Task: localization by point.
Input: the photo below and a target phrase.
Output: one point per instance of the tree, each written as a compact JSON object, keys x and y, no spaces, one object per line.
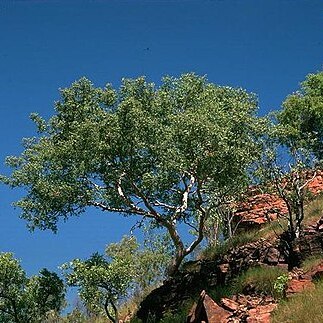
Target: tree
{"x":292,"y":152}
{"x":101,"y":282}
{"x":302,"y":117}
{"x":149,"y":261}
{"x":299,"y":130}
{"x":24,"y":300}
{"x":166,"y":154}
{"x":126,"y":269}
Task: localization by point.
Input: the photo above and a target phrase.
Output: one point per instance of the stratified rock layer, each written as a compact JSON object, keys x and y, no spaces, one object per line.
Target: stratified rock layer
{"x":260,"y":208}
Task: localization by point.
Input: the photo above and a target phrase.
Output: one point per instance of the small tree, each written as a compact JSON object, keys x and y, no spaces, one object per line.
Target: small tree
{"x":103,"y":281}
{"x":24,"y":300}
{"x":149,"y":262}
{"x":166,"y":154}
{"x":299,"y":129}
{"x":302,"y":117}
{"x":292,"y":152}
{"x":289,"y":177}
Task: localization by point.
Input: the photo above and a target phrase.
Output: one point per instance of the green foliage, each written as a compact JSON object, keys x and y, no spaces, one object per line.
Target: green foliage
{"x":280,"y":284}
{"x":25,"y":299}
{"x":101,"y":283}
{"x":126,"y":270}
{"x":149,"y":262}
{"x":302,"y":116}
{"x":261,"y":279}
{"x":169,"y":154}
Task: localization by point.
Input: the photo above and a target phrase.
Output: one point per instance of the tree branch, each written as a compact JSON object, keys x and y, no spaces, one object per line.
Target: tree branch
{"x":202,"y":218}
{"x":105,"y":207}
{"x":181,"y":209}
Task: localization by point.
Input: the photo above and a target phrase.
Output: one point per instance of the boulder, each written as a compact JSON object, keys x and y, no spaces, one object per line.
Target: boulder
{"x":260,"y":314}
{"x":207,"y":310}
{"x":297,"y":286}
{"x":229,"y":304}
{"x":316,"y":272}
{"x":272,"y":256}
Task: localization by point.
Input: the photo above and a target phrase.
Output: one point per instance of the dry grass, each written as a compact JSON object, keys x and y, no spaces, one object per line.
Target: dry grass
{"x":262,"y":279}
{"x":314,"y":210}
{"x":301,"y":308}
{"x":310,"y":262}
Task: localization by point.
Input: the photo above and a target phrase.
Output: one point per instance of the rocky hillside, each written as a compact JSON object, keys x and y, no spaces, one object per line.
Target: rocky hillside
{"x":260,"y":208}
{"x":202,"y":291}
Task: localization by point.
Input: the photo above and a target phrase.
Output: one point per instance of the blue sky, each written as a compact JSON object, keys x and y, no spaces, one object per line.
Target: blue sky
{"x":266,"y":47}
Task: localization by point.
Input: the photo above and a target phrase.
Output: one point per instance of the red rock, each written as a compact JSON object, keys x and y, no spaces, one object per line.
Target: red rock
{"x":261,"y":314}
{"x":316,"y":271}
{"x":215,"y":313}
{"x":207,"y":310}
{"x":261,"y":208}
{"x":229,"y":304}
{"x":296,"y":286}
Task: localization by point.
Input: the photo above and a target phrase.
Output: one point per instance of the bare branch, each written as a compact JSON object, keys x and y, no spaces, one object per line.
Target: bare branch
{"x":308,"y":181}
{"x":104,"y":207}
{"x":181,"y":209}
{"x":164,"y":205}
{"x":201,"y":222}
{"x":190,"y":225}
{"x":132,"y":206}
{"x":145,"y":200}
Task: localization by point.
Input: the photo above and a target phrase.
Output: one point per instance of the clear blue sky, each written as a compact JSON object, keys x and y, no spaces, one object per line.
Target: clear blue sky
{"x":264,"y":46}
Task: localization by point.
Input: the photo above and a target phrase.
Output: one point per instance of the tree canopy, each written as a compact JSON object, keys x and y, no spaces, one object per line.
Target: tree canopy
{"x":27,"y":300}
{"x":126,"y":269}
{"x":301,"y":117}
{"x":170,"y":154}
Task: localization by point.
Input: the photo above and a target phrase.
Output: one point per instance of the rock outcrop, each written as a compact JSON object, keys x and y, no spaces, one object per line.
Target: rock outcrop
{"x":250,"y":308}
{"x":260,"y":208}
{"x":207,"y":274}
{"x":239,"y":308}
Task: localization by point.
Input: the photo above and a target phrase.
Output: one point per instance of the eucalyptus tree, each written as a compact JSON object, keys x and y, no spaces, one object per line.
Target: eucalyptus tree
{"x":101,"y":283}
{"x":27,"y":300}
{"x":126,"y":269}
{"x":302,"y":117}
{"x":169,"y":154}
{"x":293,"y":151}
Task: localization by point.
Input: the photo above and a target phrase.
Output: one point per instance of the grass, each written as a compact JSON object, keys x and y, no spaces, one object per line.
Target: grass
{"x":303,"y":307}
{"x":313,"y":211}
{"x":270,"y":230}
{"x":213,"y":251}
{"x":261,"y":279}
{"x":220,"y":291}
{"x":310,"y":262}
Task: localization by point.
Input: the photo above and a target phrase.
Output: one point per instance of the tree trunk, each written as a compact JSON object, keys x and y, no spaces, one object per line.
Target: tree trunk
{"x":176,"y":262}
